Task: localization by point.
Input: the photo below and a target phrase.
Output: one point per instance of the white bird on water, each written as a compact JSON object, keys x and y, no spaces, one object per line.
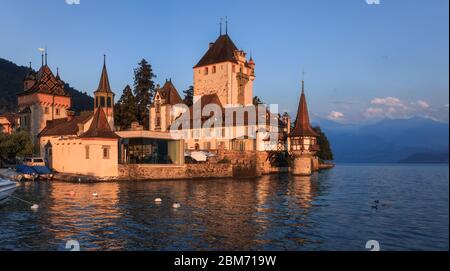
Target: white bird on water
{"x":34,"y":207}
{"x":176,"y":205}
{"x":158,"y":200}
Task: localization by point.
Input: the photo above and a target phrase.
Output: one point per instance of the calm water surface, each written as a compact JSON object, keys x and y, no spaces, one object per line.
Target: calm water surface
{"x":330,"y":211}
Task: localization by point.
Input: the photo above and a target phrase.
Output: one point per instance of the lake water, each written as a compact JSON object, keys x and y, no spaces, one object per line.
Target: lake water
{"x":334,"y":210}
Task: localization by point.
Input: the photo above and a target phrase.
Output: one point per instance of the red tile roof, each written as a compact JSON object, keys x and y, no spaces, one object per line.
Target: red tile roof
{"x":170,"y":94}
{"x":46,"y":83}
{"x":302,"y":124}
{"x":99,"y":127}
{"x":103,"y":85}
{"x":60,"y":127}
{"x":221,"y":50}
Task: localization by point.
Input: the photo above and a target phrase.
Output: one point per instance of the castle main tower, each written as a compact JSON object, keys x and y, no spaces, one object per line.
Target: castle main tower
{"x":225,"y":71}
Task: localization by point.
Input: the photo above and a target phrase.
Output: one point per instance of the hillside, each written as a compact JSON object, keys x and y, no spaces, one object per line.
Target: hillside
{"x":415,"y":140}
{"x":11,"y":83}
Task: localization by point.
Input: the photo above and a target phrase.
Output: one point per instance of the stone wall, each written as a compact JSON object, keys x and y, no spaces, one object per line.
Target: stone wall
{"x":188,"y":171}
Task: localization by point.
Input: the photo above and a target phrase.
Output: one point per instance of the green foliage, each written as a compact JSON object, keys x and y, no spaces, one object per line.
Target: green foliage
{"x":16,"y":144}
{"x":225,"y":160}
{"x":144,"y":91}
{"x":325,"y":152}
{"x":189,"y":96}
{"x":125,"y":110}
{"x":257,"y":100}
{"x":281,"y":159}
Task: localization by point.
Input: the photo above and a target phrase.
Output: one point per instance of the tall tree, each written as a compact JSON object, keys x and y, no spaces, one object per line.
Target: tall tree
{"x":125,"y":110}
{"x":325,"y":152}
{"x":189,"y":96}
{"x":144,"y":91}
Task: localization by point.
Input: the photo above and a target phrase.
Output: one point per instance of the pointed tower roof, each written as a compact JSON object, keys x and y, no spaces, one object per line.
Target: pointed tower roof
{"x":46,"y":83}
{"x":99,"y":127}
{"x":302,"y":124}
{"x":170,"y":94}
{"x":103,"y":85}
{"x":221,"y":50}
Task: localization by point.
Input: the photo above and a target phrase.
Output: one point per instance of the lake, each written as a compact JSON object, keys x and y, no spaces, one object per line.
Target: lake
{"x":403,"y":207}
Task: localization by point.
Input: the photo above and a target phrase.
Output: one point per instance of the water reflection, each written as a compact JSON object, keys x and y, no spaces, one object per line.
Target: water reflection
{"x":270,"y":213}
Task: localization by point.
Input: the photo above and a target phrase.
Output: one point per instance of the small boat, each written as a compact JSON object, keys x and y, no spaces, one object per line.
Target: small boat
{"x":6,"y":189}
{"x":43,"y":172}
{"x":27,"y":172}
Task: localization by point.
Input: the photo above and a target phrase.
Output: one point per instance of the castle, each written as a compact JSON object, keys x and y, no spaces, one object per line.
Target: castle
{"x":88,"y":144}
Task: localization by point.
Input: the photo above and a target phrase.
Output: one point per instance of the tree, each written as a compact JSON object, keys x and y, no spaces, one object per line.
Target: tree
{"x":144,"y":91}
{"x":325,"y":152}
{"x":257,"y":101}
{"x":125,"y":110}
{"x":16,"y":144}
{"x":189,"y":96}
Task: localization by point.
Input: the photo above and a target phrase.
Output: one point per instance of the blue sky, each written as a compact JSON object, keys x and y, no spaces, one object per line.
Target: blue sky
{"x":362,"y":62}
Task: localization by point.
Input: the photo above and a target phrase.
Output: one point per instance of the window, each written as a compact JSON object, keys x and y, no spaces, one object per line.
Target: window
{"x":158,"y":122}
{"x":214,"y":69}
{"x":96,"y":101}
{"x":58,"y":112}
{"x":158,"y":107}
{"x":206,"y":71}
{"x":108,"y":102}
{"x":46,"y":110}
{"x":207,"y":145}
{"x":86,"y":151}
{"x":102,"y":101}
{"x":105,"y":152}
{"x":234,"y":68}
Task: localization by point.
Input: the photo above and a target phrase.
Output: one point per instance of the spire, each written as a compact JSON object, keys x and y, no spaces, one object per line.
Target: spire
{"x":46,"y":56}
{"x":57,"y":73}
{"x":226,"y":25}
{"x":221,"y":19}
{"x":303,"y":82}
{"x":103,"y":85}
{"x":302,"y":124}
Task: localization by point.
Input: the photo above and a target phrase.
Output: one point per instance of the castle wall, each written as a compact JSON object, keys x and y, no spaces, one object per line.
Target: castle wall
{"x":188,"y":171}
{"x":69,"y":155}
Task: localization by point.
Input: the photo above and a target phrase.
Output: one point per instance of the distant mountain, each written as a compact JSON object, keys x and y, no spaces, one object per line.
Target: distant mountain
{"x":426,"y":158}
{"x":389,"y":141}
{"x":11,"y":83}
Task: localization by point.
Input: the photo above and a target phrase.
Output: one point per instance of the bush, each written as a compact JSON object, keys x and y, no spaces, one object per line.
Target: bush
{"x":16,"y":144}
{"x":225,"y":160}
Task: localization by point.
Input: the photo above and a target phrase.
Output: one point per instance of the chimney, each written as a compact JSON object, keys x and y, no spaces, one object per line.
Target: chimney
{"x":211,"y":44}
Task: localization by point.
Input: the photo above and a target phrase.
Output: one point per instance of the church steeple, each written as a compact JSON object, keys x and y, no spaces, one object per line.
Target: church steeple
{"x":104,"y":96}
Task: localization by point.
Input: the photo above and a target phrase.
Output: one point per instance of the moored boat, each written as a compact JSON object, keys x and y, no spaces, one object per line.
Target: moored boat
{"x":7,"y":187}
